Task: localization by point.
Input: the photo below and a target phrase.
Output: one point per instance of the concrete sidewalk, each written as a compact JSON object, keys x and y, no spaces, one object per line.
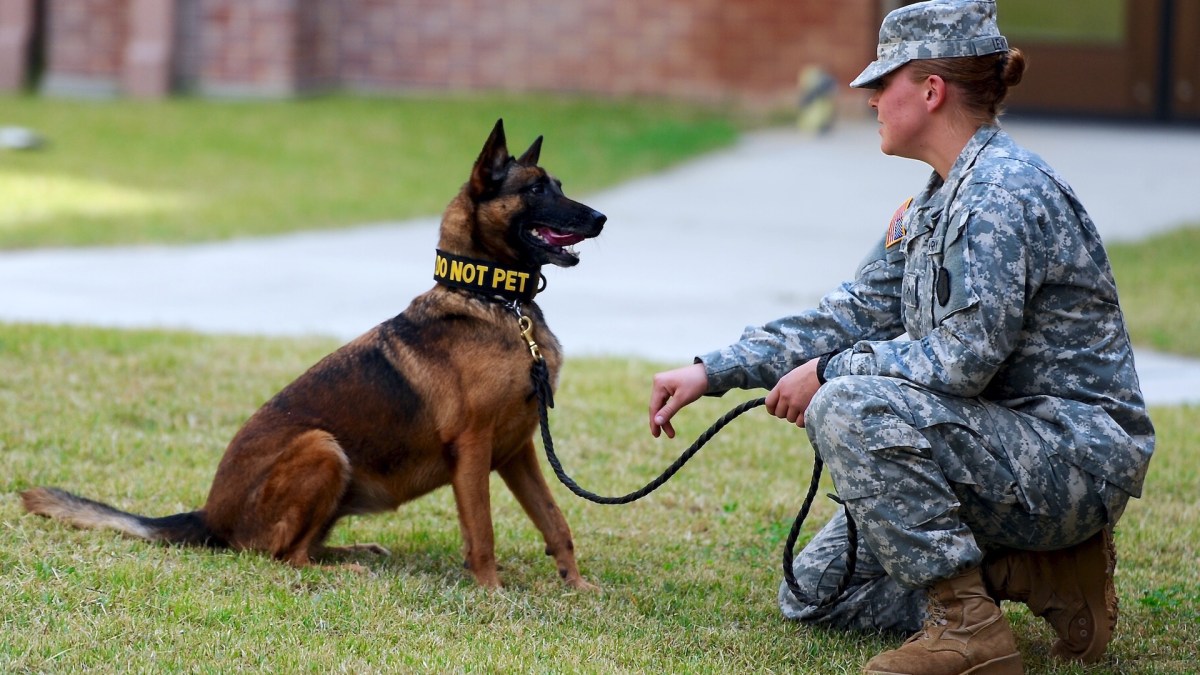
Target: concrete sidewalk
{"x":689,"y":257}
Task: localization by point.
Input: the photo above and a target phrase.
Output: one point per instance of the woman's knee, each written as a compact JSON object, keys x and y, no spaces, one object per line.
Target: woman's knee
{"x":843,"y":401}
{"x":825,"y":404}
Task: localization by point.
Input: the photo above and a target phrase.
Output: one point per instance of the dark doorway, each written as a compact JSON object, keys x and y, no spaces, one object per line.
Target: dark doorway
{"x":1126,"y":59}
{"x":1183,"y":78}
{"x":35,"y":55}
{"x":1109,"y":58}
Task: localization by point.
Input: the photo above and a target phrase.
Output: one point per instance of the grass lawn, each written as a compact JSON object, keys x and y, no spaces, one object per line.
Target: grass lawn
{"x":186,"y":170}
{"x":1160,"y":290}
{"x":689,"y":574}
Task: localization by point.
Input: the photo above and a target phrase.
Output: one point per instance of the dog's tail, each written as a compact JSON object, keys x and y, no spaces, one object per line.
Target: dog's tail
{"x":181,"y":528}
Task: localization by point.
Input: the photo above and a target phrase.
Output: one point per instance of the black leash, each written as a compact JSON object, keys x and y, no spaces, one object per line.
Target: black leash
{"x":541,"y":386}
{"x":540,"y":376}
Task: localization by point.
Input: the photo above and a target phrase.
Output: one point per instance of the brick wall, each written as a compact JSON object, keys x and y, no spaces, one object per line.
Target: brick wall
{"x":17,"y":19}
{"x":249,"y":47}
{"x":85,"y":40}
{"x":744,"y":51}
{"x":711,"y":50}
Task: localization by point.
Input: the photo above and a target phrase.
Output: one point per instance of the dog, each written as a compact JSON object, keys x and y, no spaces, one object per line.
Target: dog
{"x":440,"y":394}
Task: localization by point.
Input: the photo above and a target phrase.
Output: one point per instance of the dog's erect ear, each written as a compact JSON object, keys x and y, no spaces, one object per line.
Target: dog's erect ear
{"x":530,"y":158}
{"x":493,"y":160}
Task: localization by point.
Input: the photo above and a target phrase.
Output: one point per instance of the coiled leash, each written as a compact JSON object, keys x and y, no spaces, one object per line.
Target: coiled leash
{"x":541,"y":387}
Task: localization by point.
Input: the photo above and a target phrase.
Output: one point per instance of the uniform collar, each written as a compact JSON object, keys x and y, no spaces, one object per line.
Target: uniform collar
{"x":939,"y":193}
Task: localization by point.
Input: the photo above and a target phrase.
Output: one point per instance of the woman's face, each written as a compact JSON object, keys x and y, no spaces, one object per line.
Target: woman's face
{"x":900,"y":106}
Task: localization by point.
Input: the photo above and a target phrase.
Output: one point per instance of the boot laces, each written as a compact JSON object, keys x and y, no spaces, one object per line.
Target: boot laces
{"x":936,"y":618}
{"x":937,"y":614}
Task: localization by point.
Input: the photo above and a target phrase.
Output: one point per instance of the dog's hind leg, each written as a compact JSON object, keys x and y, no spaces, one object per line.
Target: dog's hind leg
{"x":470,"y":459}
{"x":299,"y":500}
{"x":525,"y":479}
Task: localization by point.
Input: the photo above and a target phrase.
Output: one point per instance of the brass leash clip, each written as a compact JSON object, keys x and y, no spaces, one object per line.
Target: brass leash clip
{"x":526,"y":325}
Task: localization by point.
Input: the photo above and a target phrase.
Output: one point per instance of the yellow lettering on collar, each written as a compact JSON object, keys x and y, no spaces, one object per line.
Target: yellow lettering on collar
{"x":512,"y":284}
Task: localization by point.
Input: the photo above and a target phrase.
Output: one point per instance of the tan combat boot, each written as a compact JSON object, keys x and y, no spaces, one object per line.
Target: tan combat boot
{"x":965,"y":633}
{"x":1072,"y":589}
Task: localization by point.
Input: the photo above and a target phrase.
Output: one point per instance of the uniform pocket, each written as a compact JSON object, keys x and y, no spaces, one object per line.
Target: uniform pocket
{"x":888,"y":447}
{"x":962,"y":439}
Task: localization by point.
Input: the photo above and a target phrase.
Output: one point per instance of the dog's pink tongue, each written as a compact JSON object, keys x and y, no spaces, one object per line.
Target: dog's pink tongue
{"x":556,"y":238}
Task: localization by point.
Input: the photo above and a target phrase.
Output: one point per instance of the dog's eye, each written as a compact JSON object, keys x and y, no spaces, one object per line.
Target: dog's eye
{"x":537,"y":188}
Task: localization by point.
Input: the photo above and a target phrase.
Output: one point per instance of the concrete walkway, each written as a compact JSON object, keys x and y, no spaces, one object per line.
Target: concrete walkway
{"x":689,"y":257}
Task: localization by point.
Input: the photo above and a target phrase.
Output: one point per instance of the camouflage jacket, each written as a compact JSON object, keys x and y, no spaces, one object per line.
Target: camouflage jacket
{"x":997,"y":285}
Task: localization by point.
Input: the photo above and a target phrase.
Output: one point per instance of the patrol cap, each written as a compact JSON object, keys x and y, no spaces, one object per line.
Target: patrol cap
{"x":933,"y":30}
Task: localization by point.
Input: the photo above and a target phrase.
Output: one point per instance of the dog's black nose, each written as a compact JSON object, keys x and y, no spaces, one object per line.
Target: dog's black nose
{"x":599,"y":218}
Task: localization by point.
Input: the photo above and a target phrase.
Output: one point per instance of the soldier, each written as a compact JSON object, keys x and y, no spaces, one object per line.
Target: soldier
{"x":972,"y":390}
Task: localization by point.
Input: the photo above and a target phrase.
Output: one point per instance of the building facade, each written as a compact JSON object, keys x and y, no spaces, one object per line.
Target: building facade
{"x":1131,"y":58}
{"x":746,"y":52}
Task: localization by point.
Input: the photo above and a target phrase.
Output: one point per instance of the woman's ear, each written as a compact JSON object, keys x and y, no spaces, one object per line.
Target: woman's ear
{"x":936,"y":92}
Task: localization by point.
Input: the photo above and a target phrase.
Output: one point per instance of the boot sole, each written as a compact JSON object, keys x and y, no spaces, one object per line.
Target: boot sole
{"x":1005,"y":665}
{"x":1101,"y":609}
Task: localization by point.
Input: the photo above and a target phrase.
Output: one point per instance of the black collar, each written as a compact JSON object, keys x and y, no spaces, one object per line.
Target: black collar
{"x":487,"y":277}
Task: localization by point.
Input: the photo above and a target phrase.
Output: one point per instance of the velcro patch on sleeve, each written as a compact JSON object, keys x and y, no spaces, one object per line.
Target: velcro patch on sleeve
{"x":895,"y":229}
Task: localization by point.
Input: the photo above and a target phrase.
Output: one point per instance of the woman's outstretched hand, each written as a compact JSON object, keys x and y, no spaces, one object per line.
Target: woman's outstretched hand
{"x":672,"y":390}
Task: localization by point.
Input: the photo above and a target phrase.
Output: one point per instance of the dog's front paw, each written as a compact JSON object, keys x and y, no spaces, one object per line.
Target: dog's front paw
{"x":584,"y":585}
{"x":577,"y":582}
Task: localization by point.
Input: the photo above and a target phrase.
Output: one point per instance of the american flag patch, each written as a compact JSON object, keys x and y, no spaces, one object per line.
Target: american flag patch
{"x":895,"y":230}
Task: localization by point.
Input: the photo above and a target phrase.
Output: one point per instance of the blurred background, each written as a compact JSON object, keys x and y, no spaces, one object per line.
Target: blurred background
{"x":166,"y":122}
{"x":1131,"y":59}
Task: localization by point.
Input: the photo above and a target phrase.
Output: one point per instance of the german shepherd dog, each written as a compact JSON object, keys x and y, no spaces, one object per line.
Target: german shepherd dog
{"x":439,"y":394}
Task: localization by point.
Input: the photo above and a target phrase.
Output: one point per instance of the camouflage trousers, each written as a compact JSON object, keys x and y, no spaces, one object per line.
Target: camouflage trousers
{"x":932,"y":482}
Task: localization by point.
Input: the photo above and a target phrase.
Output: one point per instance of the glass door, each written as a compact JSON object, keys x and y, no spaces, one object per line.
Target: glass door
{"x":1092,"y":57}
{"x":1183,"y":80}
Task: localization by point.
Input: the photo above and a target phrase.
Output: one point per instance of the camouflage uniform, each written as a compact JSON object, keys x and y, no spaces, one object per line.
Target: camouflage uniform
{"x":982,"y":391}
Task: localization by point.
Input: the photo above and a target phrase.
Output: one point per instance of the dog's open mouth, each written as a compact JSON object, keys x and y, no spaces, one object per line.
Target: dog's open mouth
{"x":557,"y":242}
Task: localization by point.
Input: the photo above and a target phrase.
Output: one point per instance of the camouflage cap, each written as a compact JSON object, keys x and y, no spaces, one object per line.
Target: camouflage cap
{"x":934,"y":30}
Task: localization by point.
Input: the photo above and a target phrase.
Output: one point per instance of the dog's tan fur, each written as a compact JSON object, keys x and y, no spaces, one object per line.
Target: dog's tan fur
{"x":440,"y":394}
